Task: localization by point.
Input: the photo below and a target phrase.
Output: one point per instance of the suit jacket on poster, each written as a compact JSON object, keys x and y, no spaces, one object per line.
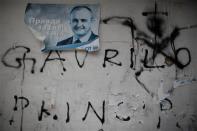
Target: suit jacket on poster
{"x":70,"y":40}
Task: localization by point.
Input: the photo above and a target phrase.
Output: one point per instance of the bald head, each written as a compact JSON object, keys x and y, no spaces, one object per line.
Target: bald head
{"x":81,"y":18}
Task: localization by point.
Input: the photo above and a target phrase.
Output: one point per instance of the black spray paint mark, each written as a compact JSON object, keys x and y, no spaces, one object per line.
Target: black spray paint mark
{"x":155,"y":12}
{"x":102,"y":120}
{"x":145,"y":62}
{"x":23,"y":60}
{"x":125,"y":21}
{"x":22,"y":99}
{"x":42,"y":111}
{"x":165,"y":104}
{"x":108,"y":58}
{"x":100,"y":130}
{"x":174,"y":60}
{"x":173,"y":36}
{"x":137,"y":74}
{"x":81,"y":65}
{"x":128,"y":22}
{"x":55,"y":117}
{"x":16,"y":100}
{"x":177,"y":59}
{"x":120,"y":117}
{"x":158,"y":47}
{"x":144,"y":106}
{"x":61,"y":59}
{"x":154,"y":24}
{"x":22,"y":110}
{"x":159,"y":123}
{"x":11,"y":121}
{"x":51,"y":59}
{"x":68,"y":113}
{"x":23,"y":106}
{"x":131,"y":58}
{"x":19,"y":61}
{"x":120,"y":103}
{"x":178,"y":126}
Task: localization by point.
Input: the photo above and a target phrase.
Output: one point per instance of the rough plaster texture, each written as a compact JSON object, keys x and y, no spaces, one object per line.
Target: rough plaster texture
{"x":116,"y":85}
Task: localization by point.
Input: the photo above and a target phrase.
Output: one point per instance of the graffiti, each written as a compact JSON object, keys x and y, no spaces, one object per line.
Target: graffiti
{"x":16,"y":100}
{"x":137,"y":74}
{"x":22,"y":98}
{"x":55,"y":117}
{"x":131,"y":58}
{"x":19,"y":60}
{"x":68,"y":112}
{"x":102,"y":120}
{"x":108,"y":58}
{"x":144,"y":106}
{"x":128,"y":22}
{"x":120,"y":103}
{"x":100,"y":130}
{"x":155,"y":24}
{"x":133,"y":28}
{"x":160,"y":48}
{"x":158,"y":44}
{"x":11,"y":121}
{"x":146,"y":59}
{"x":122,"y":118}
{"x":23,"y":106}
{"x":110,"y":54}
{"x":178,"y":126}
{"x":159,"y":123}
{"x":43,"y":110}
{"x":81,"y":65}
{"x":51,"y":59}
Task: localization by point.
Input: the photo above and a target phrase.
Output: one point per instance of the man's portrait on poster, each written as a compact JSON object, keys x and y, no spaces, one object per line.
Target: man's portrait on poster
{"x":81,"y":20}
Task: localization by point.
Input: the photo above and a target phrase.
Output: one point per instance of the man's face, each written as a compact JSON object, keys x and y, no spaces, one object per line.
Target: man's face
{"x":81,"y":22}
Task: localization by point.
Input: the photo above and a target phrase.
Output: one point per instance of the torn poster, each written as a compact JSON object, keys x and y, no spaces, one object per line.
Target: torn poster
{"x":64,"y":27}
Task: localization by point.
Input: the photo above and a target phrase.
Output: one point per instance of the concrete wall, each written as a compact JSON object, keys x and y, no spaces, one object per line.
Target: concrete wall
{"x":118,"y":96}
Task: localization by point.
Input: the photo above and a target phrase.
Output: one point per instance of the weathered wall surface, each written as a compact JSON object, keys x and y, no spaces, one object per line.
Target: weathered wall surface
{"x":127,"y":92}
